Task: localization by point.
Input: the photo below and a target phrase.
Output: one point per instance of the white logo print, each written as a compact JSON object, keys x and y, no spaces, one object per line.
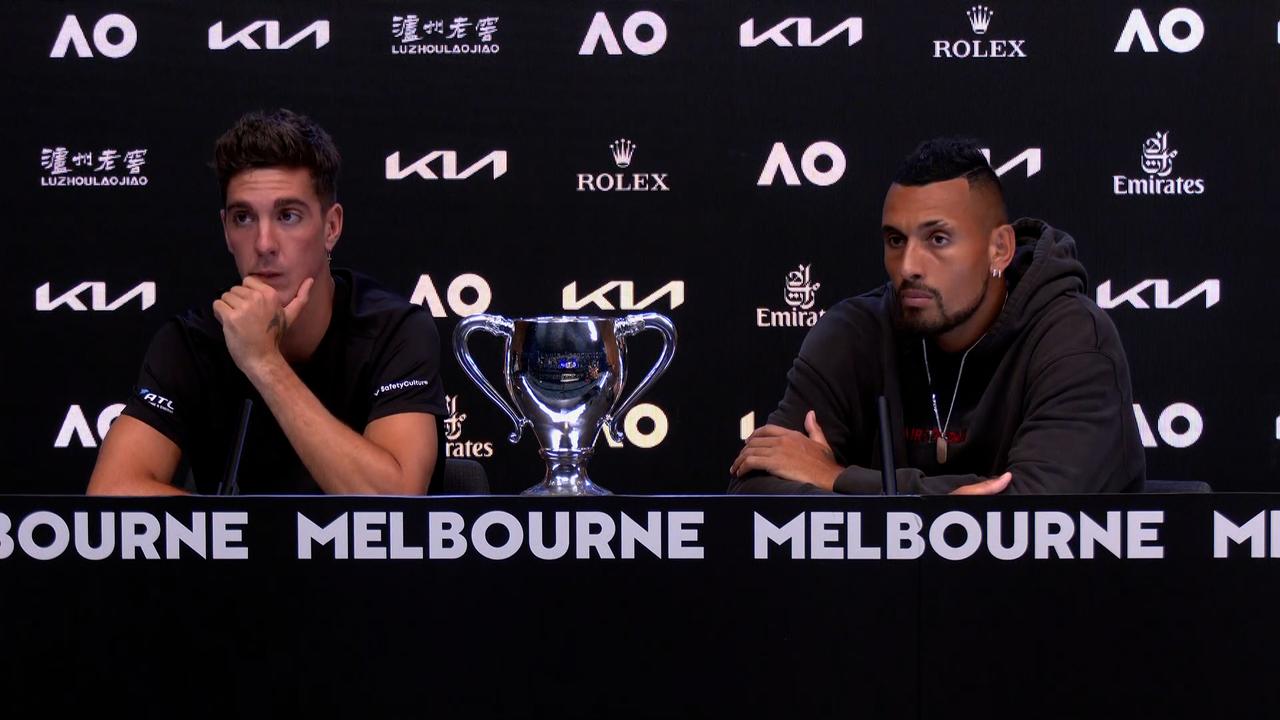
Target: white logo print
{"x":674,"y":291}
{"x":779,"y":161}
{"x":1211,"y":289}
{"x":601,"y":32}
{"x":1157,"y":158}
{"x":1031,"y":157}
{"x":1157,"y":163}
{"x":45,"y":302}
{"x":108,"y":167}
{"x":747,"y":38}
{"x":457,"y":35}
{"x":392,"y":387}
{"x":1164,"y":424}
{"x":1136,"y":28}
{"x":799,"y":292}
{"x":455,"y":446}
{"x":979,"y":18}
{"x":75,"y":425}
{"x":979,"y":21}
{"x":448,"y":167}
{"x":425,"y":293}
{"x":622,"y":151}
{"x":270,"y":36}
{"x":635,"y":434}
{"x":453,"y":423}
{"x":72,"y":35}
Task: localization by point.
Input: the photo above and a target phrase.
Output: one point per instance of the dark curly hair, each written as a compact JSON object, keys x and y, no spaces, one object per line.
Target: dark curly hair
{"x":279,"y":138}
{"x":947,"y":158}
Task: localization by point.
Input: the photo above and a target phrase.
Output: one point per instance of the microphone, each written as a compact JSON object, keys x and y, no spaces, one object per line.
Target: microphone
{"x":889,"y":474}
{"x":229,"y":484}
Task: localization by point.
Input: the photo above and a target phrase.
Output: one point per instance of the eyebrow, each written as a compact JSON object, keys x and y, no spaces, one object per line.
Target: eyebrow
{"x":924,"y":226}
{"x":282,"y":202}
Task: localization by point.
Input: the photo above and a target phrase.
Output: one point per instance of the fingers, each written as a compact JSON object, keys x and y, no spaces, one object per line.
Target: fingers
{"x":771,"y":431}
{"x":299,"y":301}
{"x":991,"y":486}
{"x":220,"y":309}
{"x":815,"y":431}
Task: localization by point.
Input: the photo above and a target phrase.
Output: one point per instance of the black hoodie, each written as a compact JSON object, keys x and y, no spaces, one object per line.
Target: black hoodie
{"x":1045,"y":394}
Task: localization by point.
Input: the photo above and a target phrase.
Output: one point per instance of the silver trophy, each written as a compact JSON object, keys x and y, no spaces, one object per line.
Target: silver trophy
{"x":565,"y":377}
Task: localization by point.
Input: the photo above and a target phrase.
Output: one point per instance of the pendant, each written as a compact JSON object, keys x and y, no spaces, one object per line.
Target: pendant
{"x":941,"y":446}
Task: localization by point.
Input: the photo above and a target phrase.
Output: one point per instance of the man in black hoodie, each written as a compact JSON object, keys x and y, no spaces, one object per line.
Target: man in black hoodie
{"x":1000,"y":373}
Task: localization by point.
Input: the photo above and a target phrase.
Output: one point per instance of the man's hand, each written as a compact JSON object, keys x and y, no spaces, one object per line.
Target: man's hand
{"x":254,"y":322}
{"x":790,"y":455}
{"x":990,"y":486}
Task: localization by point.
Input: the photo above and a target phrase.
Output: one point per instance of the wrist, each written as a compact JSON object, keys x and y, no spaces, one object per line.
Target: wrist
{"x":260,"y":368}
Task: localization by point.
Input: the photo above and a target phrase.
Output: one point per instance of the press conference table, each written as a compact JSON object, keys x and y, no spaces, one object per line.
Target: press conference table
{"x":634,"y":606}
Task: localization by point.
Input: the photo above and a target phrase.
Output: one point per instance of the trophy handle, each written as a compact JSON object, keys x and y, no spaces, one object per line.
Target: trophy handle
{"x":494,"y":325}
{"x":630,"y":325}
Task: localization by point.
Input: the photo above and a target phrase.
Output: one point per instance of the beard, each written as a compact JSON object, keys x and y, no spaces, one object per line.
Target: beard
{"x":913,"y":320}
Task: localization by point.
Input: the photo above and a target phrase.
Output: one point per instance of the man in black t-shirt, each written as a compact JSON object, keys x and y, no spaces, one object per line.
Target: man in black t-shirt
{"x":342,"y":376}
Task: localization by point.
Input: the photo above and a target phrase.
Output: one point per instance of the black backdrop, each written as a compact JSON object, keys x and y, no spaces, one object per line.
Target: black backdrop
{"x":704,"y":112}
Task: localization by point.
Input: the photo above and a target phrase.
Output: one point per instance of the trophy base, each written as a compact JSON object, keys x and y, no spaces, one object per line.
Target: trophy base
{"x":566,"y":476}
{"x":545,"y":489}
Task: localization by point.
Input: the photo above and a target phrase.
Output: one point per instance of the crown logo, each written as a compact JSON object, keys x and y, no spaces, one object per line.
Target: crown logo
{"x":622,"y":150}
{"x":980,"y":18}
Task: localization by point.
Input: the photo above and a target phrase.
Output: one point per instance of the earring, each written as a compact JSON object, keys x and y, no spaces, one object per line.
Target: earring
{"x":328,"y":256}
{"x":995,"y":272}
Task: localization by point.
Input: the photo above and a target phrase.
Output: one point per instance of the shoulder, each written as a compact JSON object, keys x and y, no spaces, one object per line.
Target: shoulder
{"x":854,"y":325}
{"x":1073,"y":324}
{"x":382,"y":322}
{"x":374,"y":311}
{"x":195,"y":332}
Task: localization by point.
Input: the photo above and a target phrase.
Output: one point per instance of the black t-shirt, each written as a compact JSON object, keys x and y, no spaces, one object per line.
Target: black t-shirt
{"x":380,"y":356}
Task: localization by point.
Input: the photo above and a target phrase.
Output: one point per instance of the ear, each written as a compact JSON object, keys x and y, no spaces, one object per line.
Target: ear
{"x":332,"y":226}
{"x":1000,"y":249}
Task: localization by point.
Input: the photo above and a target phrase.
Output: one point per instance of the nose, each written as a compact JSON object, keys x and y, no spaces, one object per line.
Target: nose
{"x":264,"y":242}
{"x":913,"y":260}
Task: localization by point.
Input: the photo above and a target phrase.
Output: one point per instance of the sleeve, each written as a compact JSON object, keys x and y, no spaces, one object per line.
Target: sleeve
{"x":406,"y":375}
{"x":166,"y":396}
{"x":1072,"y":438}
{"x":823,"y":378}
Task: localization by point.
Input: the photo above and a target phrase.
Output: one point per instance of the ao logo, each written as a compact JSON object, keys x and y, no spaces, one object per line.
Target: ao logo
{"x":72,"y":34}
{"x":1171,"y":436}
{"x":75,"y":425}
{"x":779,"y":161}
{"x":468,"y":283}
{"x":601,"y":32}
{"x":1137,"y":28}
{"x":638,"y":436}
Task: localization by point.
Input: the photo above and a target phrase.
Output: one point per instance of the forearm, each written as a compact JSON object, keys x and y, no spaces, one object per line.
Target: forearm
{"x":339,"y":459}
{"x":103,"y":483}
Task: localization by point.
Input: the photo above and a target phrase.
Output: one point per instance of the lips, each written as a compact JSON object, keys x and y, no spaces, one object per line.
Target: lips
{"x":916,"y":298}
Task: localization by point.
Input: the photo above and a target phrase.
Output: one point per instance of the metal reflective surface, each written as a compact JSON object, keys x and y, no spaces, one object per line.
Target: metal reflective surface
{"x":565,"y":377}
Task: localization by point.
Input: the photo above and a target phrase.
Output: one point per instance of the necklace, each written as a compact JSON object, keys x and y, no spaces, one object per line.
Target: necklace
{"x":941,"y":444}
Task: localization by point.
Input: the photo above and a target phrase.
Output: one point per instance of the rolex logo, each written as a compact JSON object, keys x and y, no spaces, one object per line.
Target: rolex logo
{"x":980,"y":18}
{"x":622,"y":150}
